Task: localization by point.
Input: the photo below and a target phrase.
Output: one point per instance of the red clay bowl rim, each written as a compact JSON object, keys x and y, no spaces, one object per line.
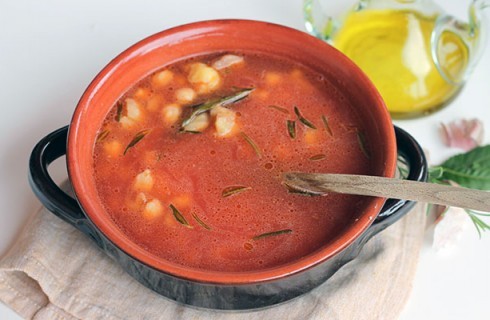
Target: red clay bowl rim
{"x":216,"y":277}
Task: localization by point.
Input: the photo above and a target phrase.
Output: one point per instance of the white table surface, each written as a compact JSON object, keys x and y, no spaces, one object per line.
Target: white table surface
{"x":50,"y":50}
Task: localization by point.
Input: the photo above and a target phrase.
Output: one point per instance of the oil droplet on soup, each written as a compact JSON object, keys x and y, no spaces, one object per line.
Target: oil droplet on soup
{"x":191,"y":169}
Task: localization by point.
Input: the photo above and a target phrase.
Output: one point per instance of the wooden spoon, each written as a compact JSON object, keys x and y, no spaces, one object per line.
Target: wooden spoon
{"x":321,"y":184}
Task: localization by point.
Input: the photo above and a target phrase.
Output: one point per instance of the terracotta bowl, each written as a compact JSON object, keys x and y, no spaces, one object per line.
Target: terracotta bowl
{"x":208,"y":288}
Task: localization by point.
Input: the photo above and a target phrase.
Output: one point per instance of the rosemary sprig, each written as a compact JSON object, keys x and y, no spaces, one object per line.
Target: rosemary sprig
{"x":101,"y":137}
{"x":137,"y":138}
{"x":179,"y":217}
{"x":233,"y":190}
{"x":469,"y":170}
{"x":291,"y":128}
{"x":271,"y":234}
{"x":119,"y":111}
{"x":303,"y":120}
{"x":480,"y":225}
{"x":326,"y":125}
{"x":280,"y":109}
{"x":361,"y":139}
{"x":202,"y":223}
{"x":318,"y":157}
{"x":299,"y":192}
{"x":251,"y":143}
{"x":207,"y":106}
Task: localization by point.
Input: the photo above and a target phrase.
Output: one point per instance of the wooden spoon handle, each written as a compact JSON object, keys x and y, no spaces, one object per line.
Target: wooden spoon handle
{"x":318,"y":183}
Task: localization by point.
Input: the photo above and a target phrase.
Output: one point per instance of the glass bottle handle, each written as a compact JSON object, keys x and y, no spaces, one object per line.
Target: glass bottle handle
{"x":471,"y":35}
{"x":317,"y":22}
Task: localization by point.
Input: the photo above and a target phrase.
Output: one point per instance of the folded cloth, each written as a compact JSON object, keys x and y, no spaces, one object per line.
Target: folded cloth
{"x":55,"y":272}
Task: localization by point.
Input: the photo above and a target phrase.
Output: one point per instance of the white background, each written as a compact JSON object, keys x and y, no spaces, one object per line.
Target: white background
{"x":50,"y":50}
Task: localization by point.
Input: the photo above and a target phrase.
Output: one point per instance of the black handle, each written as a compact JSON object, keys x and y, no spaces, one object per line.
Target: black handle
{"x":394,"y":209}
{"x":52,"y":197}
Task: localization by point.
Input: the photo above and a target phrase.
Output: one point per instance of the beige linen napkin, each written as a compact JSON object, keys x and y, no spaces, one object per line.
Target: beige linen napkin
{"x":55,"y":272}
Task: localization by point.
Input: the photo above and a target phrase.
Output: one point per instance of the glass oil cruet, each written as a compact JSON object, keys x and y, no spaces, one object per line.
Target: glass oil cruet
{"x":417,"y":56}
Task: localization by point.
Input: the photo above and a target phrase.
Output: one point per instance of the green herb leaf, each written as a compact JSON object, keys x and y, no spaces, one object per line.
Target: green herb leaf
{"x":291,"y":128}
{"x":280,"y":109}
{"x":303,"y":120}
{"x":361,"y":139}
{"x":470,"y":170}
{"x":179,"y":217}
{"x":207,"y":106}
{"x":300,"y":192}
{"x":190,"y":131}
{"x":101,"y":137}
{"x":233,"y":190}
{"x":326,"y":125}
{"x":137,"y":138}
{"x":119,"y":111}
{"x":202,"y":223}
{"x":318,"y":157}
{"x":480,"y":225}
{"x":272,"y":234}
{"x":435,"y":174}
{"x":251,"y":143}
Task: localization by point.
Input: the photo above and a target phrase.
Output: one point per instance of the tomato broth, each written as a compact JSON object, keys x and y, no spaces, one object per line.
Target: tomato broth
{"x":188,"y":162}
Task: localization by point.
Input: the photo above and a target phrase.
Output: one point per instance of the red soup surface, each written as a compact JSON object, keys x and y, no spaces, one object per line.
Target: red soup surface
{"x":188,"y":162}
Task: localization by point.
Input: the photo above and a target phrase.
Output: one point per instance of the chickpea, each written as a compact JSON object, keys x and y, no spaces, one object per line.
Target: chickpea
{"x":185,"y":95}
{"x":272,"y":78}
{"x":203,"y":77}
{"x":154,"y":103}
{"x":313,"y":137}
{"x":224,"y":122}
{"x":133,"y":109}
{"x":199,"y":124}
{"x":138,"y":202}
{"x":133,"y":114}
{"x":162,"y":78}
{"x":127,"y":122}
{"x":227,"y":61}
{"x":153,"y":209}
{"x":144,"y":181}
{"x":142,"y":93}
{"x":301,"y":81}
{"x":171,"y":113}
{"x":113,"y":148}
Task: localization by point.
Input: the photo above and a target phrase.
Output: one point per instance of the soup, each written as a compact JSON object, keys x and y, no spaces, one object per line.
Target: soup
{"x":188,"y":162}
